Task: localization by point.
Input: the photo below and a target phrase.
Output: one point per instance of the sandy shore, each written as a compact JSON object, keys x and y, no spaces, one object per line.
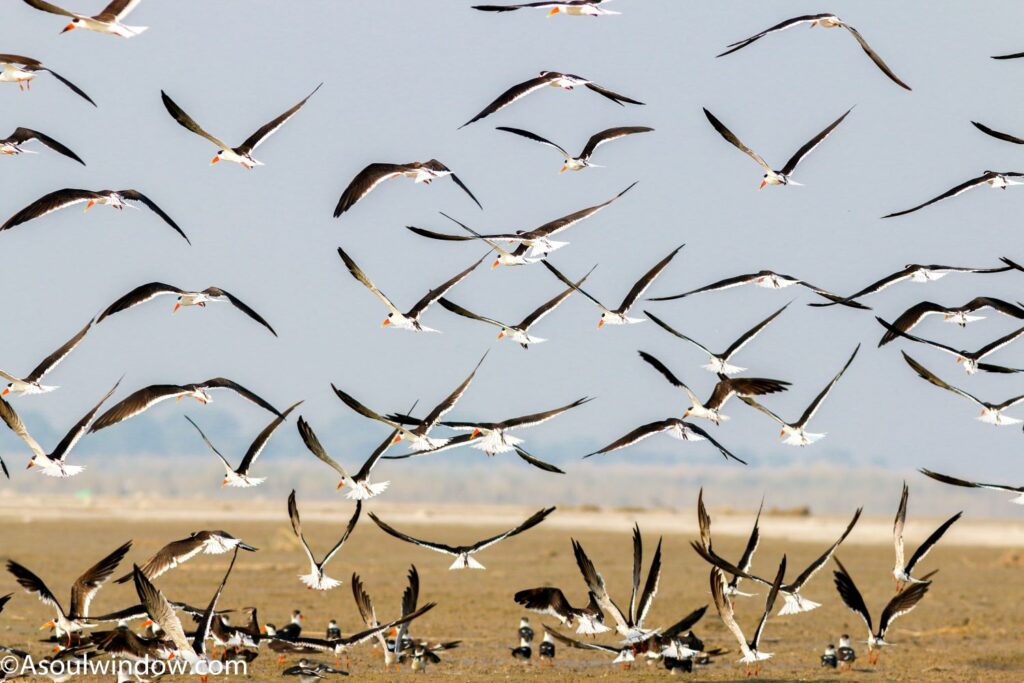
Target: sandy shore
{"x":776,"y":525}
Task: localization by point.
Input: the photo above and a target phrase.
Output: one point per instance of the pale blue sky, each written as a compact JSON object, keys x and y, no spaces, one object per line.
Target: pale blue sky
{"x":399,"y":78}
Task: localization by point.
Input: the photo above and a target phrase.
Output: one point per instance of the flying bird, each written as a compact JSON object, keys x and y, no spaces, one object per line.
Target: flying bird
{"x":411,"y":319}
{"x":751,"y":649}
{"x":396,"y":651}
{"x":629,"y":623}
{"x":519,"y":332}
{"x":60,"y":199}
{"x":571,"y":8}
{"x":147,"y":397}
{"x":418,"y":437}
{"x":718,"y":363}
{"x":795,"y":433}
{"x":553,"y":79}
{"x":549,"y":600}
{"x":359,"y":485}
{"x":999,"y":180}
{"x":373,"y":175}
{"x":970,"y":360}
{"x":624,"y":656}
{"x":900,"y":604}
{"x":184,"y":299}
{"x":782,"y":176}
{"x":12,"y":145}
{"x":674,"y":427}
{"x":913,"y":272}
{"x":176,"y":553}
{"x":903,"y":568}
{"x":765,"y":279}
{"x":316,"y":579}
{"x":242,"y":154}
{"x":957,"y":315}
{"x":991,"y":413}
{"x":824,"y":21}
{"x":31,"y":384}
{"x":953,"y":481}
{"x":496,"y":436}
{"x":731,"y":589}
{"x":795,"y":602}
{"x":83,"y":590}
{"x":54,"y":463}
{"x":110,"y":20}
{"x":582,"y":161}
{"x":1006,"y":137}
{"x":464,"y":553}
{"x":161,"y":612}
{"x":619,"y":316}
{"x":22,"y":70}
{"x":725,"y":389}
{"x":239,"y":477}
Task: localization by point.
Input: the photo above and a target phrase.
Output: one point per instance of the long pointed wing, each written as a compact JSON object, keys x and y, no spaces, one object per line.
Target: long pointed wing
{"x":391,"y":531}
{"x":360,"y":408}
{"x":257,"y":138}
{"x":781,"y":26}
{"x":638,"y":559}
{"x":595,"y":583}
{"x":635,"y":436}
{"x":953,"y":481}
{"x":724,"y":607}
{"x":187,"y":122}
{"x":548,"y":306}
{"x":532,"y":521}
{"x":901,"y":603}
{"x":992,"y":347}
{"x":169,"y":557}
{"x":33,"y":584}
{"x":506,"y":98}
{"x":909,"y":319}
{"x":363,"y":602}
{"x":13,"y":421}
{"x":1006,"y":137}
{"x":899,"y":523}
{"x":51,"y":8}
{"x":667,"y":374}
{"x":466,"y":313}
{"x":136,"y":196}
{"x":359,"y":275}
{"x":120,"y":8}
{"x":755,"y":538}
{"x":71,"y":86}
{"x":668,"y":328}
{"x":650,"y":588}
{"x":240,"y":305}
{"x":25,"y":134}
{"x":439,"y":291}
{"x":313,"y":444}
{"x":139,"y":295}
{"x":731,"y":138}
{"x":754,"y":404}
{"x":749,"y":335}
{"x":537,"y":462}
{"x":703,"y":521}
{"x":926,"y":374}
{"x":260,"y":442}
{"x":136,"y":403}
{"x":565,"y":222}
{"x":293,"y":515}
{"x":644,"y":283}
{"x":348,"y":532}
{"x":222,"y":383}
{"x":442,"y":408}
{"x":930,"y":542}
{"x":727,"y":283}
{"x":78,"y":430}
{"x":612,"y":95}
{"x":161,"y":611}
{"x":579,"y":644}
{"x":84,"y":589}
{"x":811,"y":144}
{"x":203,"y":629}
{"x":536,"y":138}
{"x":51,"y":361}
{"x":813,"y":568}
{"x":952,"y":192}
{"x":364,"y":471}
{"x":364,"y":182}
{"x":813,"y":407}
{"x":209,"y":443}
{"x":769,"y":603}
{"x":557,"y":273}
{"x":896,"y":332}
{"x":875,"y":58}
{"x":598,"y":139}
{"x":539,"y":418}
{"x":47,"y":204}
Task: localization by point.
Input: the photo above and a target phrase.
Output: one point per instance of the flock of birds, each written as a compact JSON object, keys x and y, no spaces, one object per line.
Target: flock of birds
{"x":78,"y":633}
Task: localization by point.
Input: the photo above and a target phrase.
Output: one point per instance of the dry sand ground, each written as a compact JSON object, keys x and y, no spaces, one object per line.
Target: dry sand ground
{"x":968,"y":628}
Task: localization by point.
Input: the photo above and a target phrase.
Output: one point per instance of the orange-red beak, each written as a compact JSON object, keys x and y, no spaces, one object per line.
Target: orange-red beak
{"x":48,"y":624}
{"x":501,"y":335}
{"x":476,"y":433}
{"x":398,"y":437}
{"x":225,"y":482}
{"x":30,"y":464}
{"x":387,"y":321}
{"x":6,"y":391}
{"x":553,"y":12}
{"x":69,"y":27}
{"x":214,"y":160}
{"x":600,"y":323}
{"x":564,"y":169}
{"x":763,"y":183}
{"x":176,"y":307}
{"x":92,"y":203}
{"x":340,"y":484}
{"x":497,"y":262}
